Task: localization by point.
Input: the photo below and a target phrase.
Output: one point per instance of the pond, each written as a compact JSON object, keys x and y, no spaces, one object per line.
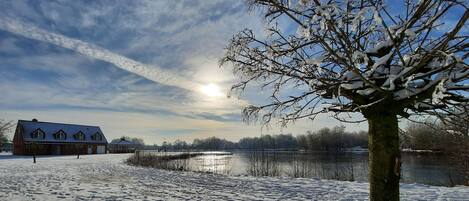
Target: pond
{"x":429,"y":168}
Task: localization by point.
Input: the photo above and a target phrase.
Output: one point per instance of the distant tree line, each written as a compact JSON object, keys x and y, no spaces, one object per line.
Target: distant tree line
{"x":281,"y":141}
{"x":451,"y":139}
{"x":415,"y":137}
{"x":438,"y":137}
{"x":332,"y":139}
{"x":326,"y":139}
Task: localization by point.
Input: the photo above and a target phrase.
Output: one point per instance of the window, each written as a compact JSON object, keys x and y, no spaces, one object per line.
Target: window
{"x":97,"y":136}
{"x":60,"y":135}
{"x":79,"y":136}
{"x":38,"y":134}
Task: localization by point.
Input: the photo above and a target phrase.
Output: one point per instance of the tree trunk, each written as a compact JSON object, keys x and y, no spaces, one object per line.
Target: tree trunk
{"x":384,"y":157}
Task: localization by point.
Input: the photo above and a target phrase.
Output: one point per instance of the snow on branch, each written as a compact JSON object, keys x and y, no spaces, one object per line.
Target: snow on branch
{"x":347,"y":56}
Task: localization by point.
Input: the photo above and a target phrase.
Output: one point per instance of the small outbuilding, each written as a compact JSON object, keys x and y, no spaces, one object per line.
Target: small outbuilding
{"x":123,"y":146}
{"x":48,"y":138}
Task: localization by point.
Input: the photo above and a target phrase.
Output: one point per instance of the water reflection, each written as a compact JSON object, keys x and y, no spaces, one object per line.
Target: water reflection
{"x":219,"y":164}
{"x":426,"y":169}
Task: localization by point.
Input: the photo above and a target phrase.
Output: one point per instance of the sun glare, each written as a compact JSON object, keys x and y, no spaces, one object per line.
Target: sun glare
{"x":211,"y":90}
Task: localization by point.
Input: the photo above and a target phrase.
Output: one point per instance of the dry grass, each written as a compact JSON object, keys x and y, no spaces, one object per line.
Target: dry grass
{"x":179,"y":162}
{"x":263,"y":164}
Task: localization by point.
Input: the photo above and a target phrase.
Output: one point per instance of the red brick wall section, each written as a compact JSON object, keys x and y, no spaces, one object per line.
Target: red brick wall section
{"x":95,"y":149}
{"x":49,"y":149}
{"x":39,"y":149}
{"x":18,"y":144}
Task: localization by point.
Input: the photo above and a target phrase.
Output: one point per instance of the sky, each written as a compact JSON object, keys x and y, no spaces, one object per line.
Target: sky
{"x":146,"y":69}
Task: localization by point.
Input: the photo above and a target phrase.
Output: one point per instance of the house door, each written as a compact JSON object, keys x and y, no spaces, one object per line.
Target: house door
{"x":90,"y":149}
{"x":101,"y":150}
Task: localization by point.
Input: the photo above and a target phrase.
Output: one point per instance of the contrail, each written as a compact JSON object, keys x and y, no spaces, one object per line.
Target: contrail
{"x":154,"y":73}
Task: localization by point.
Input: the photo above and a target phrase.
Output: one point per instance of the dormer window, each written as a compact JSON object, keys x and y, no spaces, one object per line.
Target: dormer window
{"x":38,"y":134}
{"x":60,"y":135}
{"x":97,"y":136}
{"x":79,"y":136}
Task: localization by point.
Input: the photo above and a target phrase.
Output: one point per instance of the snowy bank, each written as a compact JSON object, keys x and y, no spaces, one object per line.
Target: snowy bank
{"x":107,"y":177}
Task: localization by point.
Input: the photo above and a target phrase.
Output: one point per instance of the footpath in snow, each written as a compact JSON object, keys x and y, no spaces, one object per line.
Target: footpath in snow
{"x":107,"y":177}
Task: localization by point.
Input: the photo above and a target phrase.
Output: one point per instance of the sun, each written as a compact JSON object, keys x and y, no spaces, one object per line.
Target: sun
{"x":211,"y":90}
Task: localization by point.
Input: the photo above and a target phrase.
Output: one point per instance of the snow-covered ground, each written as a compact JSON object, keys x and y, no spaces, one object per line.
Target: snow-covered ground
{"x":107,"y":177}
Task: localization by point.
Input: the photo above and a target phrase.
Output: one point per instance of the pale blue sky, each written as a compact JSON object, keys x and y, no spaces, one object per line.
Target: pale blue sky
{"x":184,"y":39}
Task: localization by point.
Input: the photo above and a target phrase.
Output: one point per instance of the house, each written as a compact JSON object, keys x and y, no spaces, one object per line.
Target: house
{"x":47,"y":138}
{"x":123,"y":145}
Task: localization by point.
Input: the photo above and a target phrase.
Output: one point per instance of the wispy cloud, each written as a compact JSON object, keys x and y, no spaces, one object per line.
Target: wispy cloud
{"x":153,"y":73}
{"x":69,"y":61}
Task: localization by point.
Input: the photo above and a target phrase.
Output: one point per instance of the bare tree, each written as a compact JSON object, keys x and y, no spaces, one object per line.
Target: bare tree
{"x":457,"y":145}
{"x":5,"y":127}
{"x":356,"y":56}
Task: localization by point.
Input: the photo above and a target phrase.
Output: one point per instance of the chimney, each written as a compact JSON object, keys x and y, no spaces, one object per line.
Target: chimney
{"x":34,"y":120}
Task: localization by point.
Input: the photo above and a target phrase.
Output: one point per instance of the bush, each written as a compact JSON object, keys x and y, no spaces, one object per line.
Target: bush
{"x":179,"y":162}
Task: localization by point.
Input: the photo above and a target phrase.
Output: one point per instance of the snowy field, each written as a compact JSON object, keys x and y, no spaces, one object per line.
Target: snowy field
{"x":106,"y":177}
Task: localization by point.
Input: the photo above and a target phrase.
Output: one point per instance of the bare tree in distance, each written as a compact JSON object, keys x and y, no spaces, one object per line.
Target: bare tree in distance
{"x":356,"y":56}
{"x":5,"y":127}
{"x":458,"y":148}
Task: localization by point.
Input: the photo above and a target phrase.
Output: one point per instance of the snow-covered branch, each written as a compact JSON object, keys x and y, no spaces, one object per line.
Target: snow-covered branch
{"x":354,"y":54}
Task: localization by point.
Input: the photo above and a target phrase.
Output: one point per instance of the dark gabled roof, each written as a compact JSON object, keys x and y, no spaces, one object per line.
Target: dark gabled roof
{"x":50,"y":128}
{"x":123,"y":142}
